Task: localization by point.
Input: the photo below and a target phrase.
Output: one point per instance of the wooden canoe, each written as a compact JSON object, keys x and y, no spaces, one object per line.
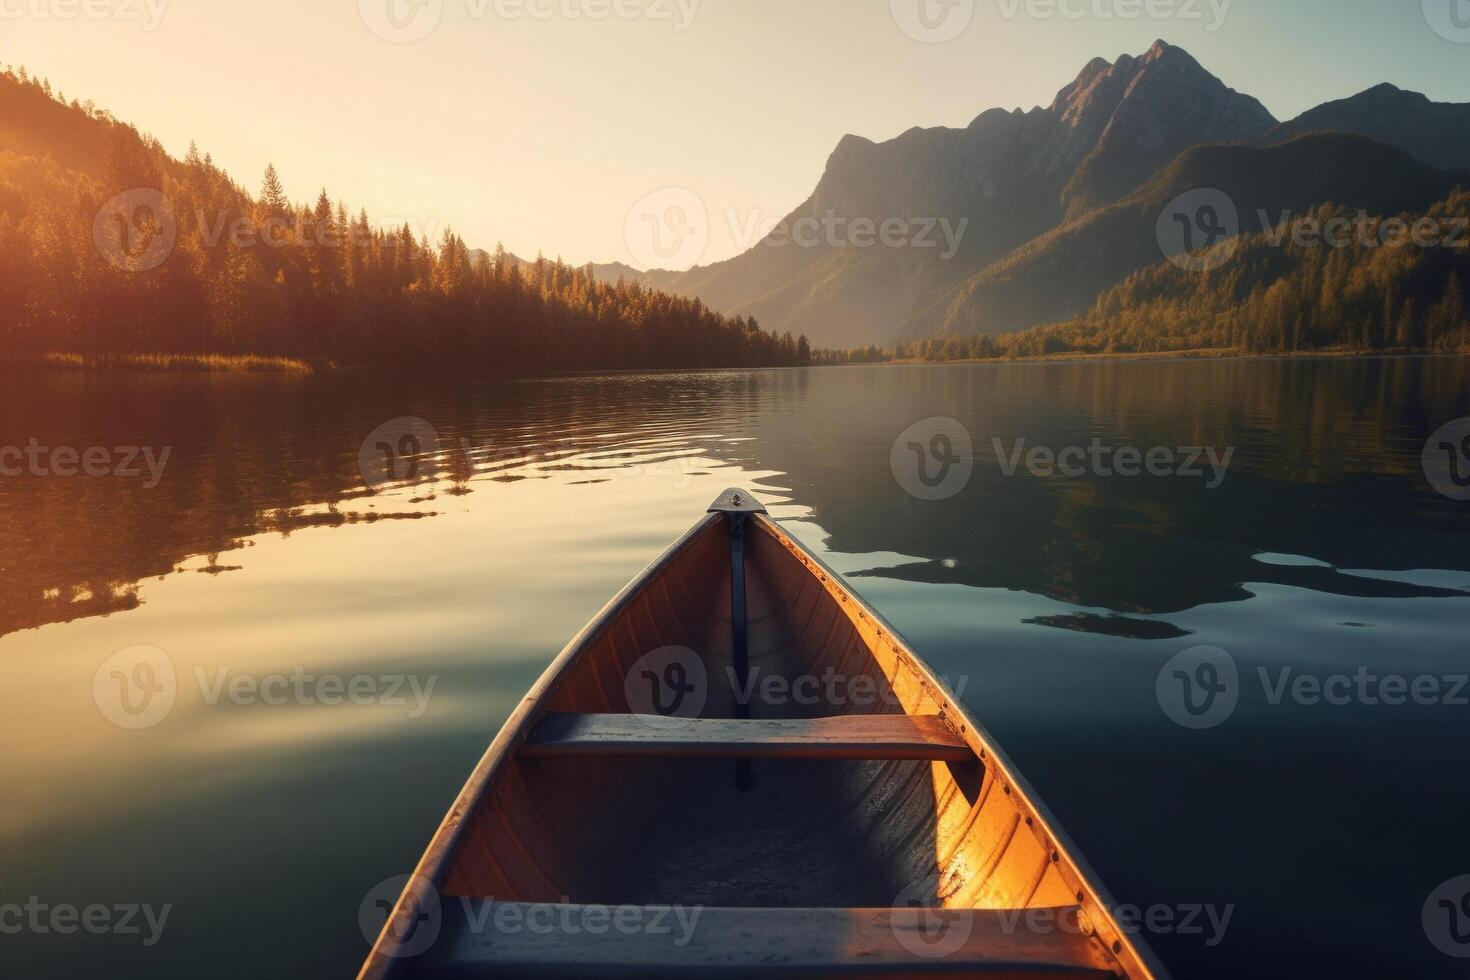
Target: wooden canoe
{"x":739,"y":769}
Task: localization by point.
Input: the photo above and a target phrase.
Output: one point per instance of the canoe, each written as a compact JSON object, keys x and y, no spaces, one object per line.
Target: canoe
{"x":739,"y":769}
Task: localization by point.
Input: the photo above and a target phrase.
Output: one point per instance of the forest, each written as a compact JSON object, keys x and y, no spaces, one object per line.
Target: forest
{"x":188,"y":262}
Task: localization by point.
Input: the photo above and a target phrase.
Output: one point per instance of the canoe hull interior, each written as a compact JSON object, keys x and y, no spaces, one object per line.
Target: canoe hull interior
{"x":769,"y":832}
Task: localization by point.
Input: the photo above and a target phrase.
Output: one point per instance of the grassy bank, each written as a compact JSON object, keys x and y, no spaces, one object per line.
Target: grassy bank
{"x":213,"y":363}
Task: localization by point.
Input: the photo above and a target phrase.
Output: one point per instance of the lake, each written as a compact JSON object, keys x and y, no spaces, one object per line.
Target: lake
{"x":429,"y":547}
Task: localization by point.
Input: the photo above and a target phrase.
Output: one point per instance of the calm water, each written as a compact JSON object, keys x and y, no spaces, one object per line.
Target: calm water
{"x":1055,"y":601}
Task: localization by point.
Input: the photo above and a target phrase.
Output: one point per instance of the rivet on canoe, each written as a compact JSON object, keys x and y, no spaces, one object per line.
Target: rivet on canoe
{"x":1117,"y":946}
{"x":1055,"y":857}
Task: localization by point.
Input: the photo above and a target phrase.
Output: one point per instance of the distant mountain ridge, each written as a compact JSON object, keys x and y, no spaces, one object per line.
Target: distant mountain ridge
{"x":1024,"y":180}
{"x":1438,"y":133}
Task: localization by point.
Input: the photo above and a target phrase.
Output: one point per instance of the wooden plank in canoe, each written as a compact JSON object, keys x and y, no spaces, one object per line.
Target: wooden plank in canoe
{"x":483,"y":938}
{"x":876,"y":737}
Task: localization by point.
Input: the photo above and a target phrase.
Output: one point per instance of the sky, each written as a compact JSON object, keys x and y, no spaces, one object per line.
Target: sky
{"x":559,"y":125}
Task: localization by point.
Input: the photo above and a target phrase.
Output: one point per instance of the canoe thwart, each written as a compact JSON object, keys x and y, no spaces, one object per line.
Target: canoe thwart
{"x":483,"y":937}
{"x":877,"y":737}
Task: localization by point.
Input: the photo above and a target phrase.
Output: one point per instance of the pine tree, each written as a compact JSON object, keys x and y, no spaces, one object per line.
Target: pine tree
{"x":272,"y":194}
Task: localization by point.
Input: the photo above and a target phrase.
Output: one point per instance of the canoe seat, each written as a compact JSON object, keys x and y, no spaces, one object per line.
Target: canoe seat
{"x":486,"y":938}
{"x":924,"y":737}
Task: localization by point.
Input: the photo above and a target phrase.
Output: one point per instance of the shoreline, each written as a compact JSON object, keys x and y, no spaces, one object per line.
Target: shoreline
{"x":258,"y":364}
{"x":1195,"y":354}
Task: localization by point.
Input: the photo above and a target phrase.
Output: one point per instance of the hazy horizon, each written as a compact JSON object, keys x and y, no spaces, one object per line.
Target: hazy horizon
{"x":543,"y":132}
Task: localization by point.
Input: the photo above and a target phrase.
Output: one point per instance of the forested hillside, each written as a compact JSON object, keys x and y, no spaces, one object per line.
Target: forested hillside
{"x":1326,"y":280}
{"x":189,"y":262}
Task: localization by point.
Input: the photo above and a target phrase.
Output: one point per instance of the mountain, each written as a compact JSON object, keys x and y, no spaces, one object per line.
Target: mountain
{"x":1060,"y":274}
{"x":1149,"y":110}
{"x":1438,"y":133}
{"x":1007,"y":178}
{"x":1049,"y":207}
